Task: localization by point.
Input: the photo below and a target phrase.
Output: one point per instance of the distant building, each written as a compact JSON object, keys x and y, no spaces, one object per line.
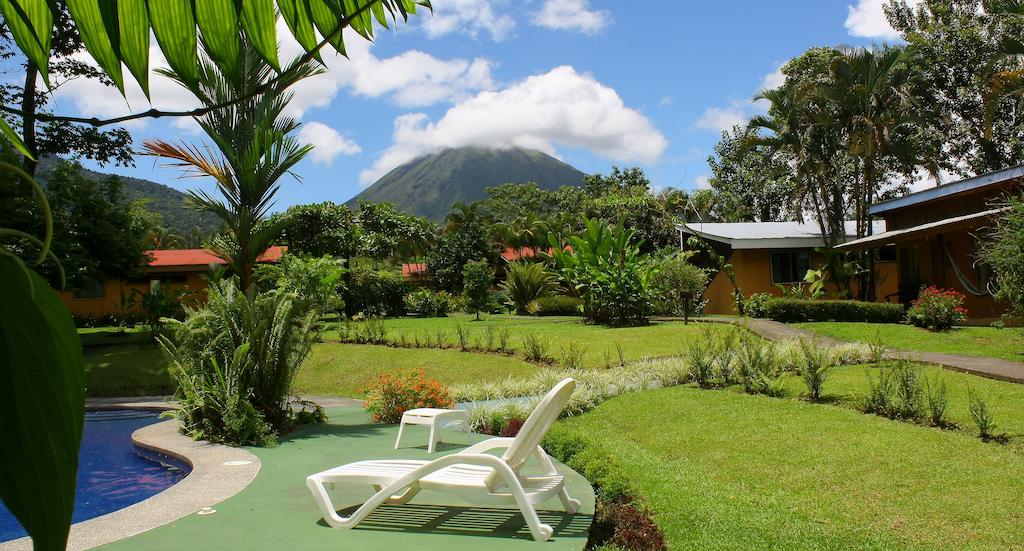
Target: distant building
{"x":417,"y":272}
{"x":765,"y":255}
{"x":173,"y":267}
{"x":935,"y":235}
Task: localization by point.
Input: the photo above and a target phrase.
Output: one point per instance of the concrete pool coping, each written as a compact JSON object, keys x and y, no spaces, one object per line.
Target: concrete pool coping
{"x":218,"y":472}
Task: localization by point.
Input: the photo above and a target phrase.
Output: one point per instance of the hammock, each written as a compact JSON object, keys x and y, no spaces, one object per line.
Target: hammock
{"x":963,"y":278}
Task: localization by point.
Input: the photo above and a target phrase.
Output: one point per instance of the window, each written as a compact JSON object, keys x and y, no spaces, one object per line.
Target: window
{"x":94,"y":289}
{"x":790,"y":267}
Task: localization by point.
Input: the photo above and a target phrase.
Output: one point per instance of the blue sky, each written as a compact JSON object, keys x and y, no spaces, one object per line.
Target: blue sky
{"x":596,"y":83}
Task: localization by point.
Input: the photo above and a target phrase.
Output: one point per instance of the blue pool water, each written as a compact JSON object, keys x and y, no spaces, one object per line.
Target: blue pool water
{"x":112,"y":472}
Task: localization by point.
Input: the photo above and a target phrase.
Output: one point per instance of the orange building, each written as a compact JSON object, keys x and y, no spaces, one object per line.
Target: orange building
{"x":765,"y":255}
{"x":175,"y":268}
{"x":935,"y":234}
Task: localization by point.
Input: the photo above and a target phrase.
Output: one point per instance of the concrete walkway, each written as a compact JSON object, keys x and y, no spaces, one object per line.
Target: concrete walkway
{"x":993,"y":368}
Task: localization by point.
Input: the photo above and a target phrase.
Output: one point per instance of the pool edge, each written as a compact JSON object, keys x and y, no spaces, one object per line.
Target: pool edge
{"x":209,"y":483}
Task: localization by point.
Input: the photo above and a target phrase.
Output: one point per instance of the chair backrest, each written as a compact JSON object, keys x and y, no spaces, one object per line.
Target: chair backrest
{"x":536,"y":426}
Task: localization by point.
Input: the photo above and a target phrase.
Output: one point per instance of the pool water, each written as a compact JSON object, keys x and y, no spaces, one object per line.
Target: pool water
{"x":113,"y":473}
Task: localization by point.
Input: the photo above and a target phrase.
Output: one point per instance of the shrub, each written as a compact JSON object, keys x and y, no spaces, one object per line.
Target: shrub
{"x":526,"y":282}
{"x":815,"y":365}
{"x":535,"y":348}
{"x":755,"y":359}
{"x":235,"y":359}
{"x":558,"y":305}
{"x":320,"y":281}
{"x":429,"y":304}
{"x":477,"y":276}
{"x":701,"y":356}
{"x":610,"y":273}
{"x":369,"y":331}
{"x":375,"y":292}
{"x":938,"y":309}
{"x":795,"y":310}
{"x":679,"y":286}
{"x":626,"y":526}
{"x":511,"y":428}
{"x":756,"y":305}
{"x":389,"y":395}
{"x":1003,"y":250}
{"x":935,"y":392}
{"x":981,"y":415}
{"x":571,"y":355}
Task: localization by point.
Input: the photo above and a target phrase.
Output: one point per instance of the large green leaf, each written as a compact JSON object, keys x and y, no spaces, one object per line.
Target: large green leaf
{"x":14,"y":139}
{"x":133,"y":26}
{"x":42,"y":405}
{"x":31,"y":24}
{"x":259,"y":21}
{"x":218,"y":20}
{"x":94,"y":24}
{"x":296,"y":15}
{"x":174,"y":25}
{"x":327,"y":16}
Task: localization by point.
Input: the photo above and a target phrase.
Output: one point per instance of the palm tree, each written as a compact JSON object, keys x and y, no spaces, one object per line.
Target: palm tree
{"x":1008,"y":83}
{"x":162,"y":238}
{"x":465,"y":214}
{"x":253,"y":150}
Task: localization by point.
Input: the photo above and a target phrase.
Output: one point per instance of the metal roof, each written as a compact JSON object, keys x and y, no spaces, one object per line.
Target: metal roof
{"x":890,"y":237}
{"x":946,"y":190}
{"x":766,"y":235}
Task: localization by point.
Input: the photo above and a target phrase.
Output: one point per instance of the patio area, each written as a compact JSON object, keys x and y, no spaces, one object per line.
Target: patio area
{"x":277,"y":511}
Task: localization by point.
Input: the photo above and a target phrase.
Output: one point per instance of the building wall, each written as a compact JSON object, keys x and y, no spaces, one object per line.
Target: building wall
{"x":753,"y":271}
{"x":114,"y":289}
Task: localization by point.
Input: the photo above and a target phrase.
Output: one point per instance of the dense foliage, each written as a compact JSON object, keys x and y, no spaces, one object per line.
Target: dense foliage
{"x":605,"y":267}
{"x":790,"y":310}
{"x":1004,"y":252}
{"x":525,"y":283}
{"x":319,"y":229}
{"x":390,"y":395}
{"x":678,"y":286}
{"x":235,"y":359}
{"x":429,"y":303}
{"x":937,"y":309}
{"x":318,"y":281}
{"x":477,"y":277}
{"x":375,"y":291}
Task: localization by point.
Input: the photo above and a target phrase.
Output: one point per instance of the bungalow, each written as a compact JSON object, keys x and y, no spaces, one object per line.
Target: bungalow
{"x":174,"y":267}
{"x":935,"y":235}
{"x":764,"y":256}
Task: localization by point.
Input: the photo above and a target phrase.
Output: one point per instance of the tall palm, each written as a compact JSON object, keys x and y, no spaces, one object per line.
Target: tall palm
{"x":1008,"y":83}
{"x":254,"y":149}
{"x":465,"y":214}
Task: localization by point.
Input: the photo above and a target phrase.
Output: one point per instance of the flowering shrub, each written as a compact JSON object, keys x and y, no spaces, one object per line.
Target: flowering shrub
{"x":937,"y":309}
{"x":389,"y":395}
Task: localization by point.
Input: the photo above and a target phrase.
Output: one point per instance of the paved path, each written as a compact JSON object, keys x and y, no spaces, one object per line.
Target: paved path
{"x":168,"y":402}
{"x":993,"y":368}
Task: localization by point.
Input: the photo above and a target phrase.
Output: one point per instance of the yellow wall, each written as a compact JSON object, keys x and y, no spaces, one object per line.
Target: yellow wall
{"x":753,"y":271}
{"x":111,"y":304}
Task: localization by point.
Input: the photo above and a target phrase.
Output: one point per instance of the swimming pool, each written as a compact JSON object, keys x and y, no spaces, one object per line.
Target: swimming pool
{"x":113,"y":473}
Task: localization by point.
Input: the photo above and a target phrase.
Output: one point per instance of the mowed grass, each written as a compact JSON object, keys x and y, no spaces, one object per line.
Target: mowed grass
{"x":725,"y":470}
{"x":1007,"y":343}
{"x":600,"y":343}
{"x":344,"y":369}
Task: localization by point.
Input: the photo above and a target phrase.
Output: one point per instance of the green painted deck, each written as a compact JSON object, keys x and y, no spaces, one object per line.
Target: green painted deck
{"x":277,"y":511}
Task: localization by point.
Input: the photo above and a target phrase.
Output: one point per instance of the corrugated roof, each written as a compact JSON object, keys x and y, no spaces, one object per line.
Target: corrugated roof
{"x":890,"y":237}
{"x":163,"y":258}
{"x":767,"y":235}
{"x":946,"y":190}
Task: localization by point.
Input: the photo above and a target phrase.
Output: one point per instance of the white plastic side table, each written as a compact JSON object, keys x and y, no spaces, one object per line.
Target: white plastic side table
{"x":433,"y":417}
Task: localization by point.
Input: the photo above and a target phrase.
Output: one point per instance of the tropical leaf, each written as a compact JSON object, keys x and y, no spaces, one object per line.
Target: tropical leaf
{"x":300,"y":22}
{"x":133,"y":29}
{"x":31,"y":24}
{"x":42,"y":405}
{"x":14,"y":139}
{"x":259,"y":21}
{"x":174,"y":25}
{"x":217,"y":20}
{"x":98,"y":27}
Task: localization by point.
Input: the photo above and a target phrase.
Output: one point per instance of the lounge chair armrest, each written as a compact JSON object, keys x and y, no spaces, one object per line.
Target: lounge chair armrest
{"x":487,"y":445}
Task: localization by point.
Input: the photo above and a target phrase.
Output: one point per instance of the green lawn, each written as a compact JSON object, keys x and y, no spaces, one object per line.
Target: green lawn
{"x":1007,"y":344}
{"x":657,"y":339}
{"x":724,"y":470}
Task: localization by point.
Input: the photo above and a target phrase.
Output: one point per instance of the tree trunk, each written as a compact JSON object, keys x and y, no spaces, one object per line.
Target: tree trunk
{"x":28,"y":121}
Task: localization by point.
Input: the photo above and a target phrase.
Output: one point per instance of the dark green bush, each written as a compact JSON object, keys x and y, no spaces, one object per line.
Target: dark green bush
{"x":375,"y":292}
{"x":756,"y":305}
{"x":430,"y":304}
{"x":558,"y":305}
{"x":795,"y":310}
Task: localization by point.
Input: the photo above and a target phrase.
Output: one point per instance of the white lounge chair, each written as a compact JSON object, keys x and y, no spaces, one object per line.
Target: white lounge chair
{"x":472,"y":474}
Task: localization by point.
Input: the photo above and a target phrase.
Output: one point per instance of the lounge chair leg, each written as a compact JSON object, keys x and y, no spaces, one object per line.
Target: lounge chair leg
{"x":433,"y":437}
{"x":572,"y":506}
{"x":401,"y":427}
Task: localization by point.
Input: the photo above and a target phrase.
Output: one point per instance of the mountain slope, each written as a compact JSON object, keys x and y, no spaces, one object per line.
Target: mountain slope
{"x":428,"y":185}
{"x":164,"y":200}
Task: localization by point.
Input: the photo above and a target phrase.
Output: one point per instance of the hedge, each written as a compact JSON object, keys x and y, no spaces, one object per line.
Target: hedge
{"x":796,"y":310}
{"x":558,"y":305}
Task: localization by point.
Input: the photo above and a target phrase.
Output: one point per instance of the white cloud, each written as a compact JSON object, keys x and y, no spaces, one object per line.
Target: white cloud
{"x":409,"y":79}
{"x":721,"y":119}
{"x":867,"y":19}
{"x":773,"y":79}
{"x":470,"y":17}
{"x":702,"y":181}
{"x":665,"y":101}
{"x":327,"y":142}
{"x":574,"y":15}
{"x":557,"y":108}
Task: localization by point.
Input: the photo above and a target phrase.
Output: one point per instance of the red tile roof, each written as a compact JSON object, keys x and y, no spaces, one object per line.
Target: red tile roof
{"x":414,"y":269}
{"x":162,"y":258}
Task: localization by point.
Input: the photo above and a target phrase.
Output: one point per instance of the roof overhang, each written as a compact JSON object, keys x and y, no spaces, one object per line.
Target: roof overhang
{"x":946,"y":190}
{"x":756,"y":243}
{"x":895,"y":237}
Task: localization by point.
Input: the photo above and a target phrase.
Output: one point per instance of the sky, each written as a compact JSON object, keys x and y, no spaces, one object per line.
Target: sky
{"x":596,"y":83}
